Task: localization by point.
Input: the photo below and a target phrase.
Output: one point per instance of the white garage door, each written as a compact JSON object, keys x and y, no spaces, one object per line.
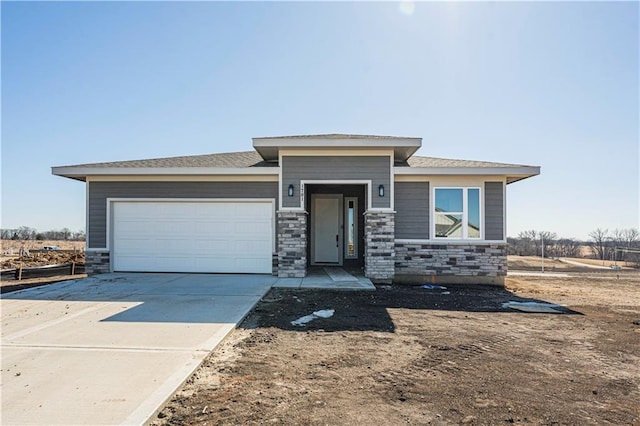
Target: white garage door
{"x":192,"y":236}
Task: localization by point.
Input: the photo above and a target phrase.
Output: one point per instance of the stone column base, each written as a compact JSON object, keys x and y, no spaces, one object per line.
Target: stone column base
{"x":292,"y":244}
{"x":379,"y":250}
{"x":97,"y":262}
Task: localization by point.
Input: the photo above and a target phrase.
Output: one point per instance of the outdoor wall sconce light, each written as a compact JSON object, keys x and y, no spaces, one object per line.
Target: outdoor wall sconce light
{"x":290,"y":191}
{"x":381,"y":190}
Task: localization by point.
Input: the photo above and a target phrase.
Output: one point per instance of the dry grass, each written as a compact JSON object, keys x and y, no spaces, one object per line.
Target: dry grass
{"x":533,"y":262}
{"x":598,"y":262}
{"x":8,"y":245}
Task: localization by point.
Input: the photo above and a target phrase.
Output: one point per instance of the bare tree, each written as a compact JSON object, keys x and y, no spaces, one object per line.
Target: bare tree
{"x":527,"y":243}
{"x":631,"y":237}
{"x":566,"y":247}
{"x":599,"y":241}
{"x":78,"y":235}
{"x":27,"y":233}
{"x":627,"y":238}
{"x":548,"y":239}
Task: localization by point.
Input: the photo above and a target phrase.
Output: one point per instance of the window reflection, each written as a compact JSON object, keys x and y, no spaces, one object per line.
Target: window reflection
{"x":457,"y":213}
{"x":449,"y":200}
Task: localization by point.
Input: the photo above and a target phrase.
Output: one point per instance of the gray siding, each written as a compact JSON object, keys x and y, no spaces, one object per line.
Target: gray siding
{"x":374,"y":168}
{"x":493,"y":211}
{"x":412,"y":210}
{"x":100,"y":191}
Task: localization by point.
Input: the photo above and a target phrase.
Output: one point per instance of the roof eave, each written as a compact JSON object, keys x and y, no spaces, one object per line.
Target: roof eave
{"x":513,"y":174}
{"x":81,"y":173}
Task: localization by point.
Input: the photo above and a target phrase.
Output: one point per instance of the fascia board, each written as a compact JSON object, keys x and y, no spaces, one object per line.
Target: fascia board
{"x":336,"y":143}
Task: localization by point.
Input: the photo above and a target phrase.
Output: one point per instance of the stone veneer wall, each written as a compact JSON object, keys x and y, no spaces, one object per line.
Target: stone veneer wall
{"x":274,"y":264}
{"x":96,"y":262}
{"x":292,"y":244}
{"x":462,"y":262}
{"x":379,"y":254}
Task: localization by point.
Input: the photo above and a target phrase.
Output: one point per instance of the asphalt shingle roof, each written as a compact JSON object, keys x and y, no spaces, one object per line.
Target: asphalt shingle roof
{"x":417,"y":161}
{"x":252,"y":159}
{"x":224,"y":160}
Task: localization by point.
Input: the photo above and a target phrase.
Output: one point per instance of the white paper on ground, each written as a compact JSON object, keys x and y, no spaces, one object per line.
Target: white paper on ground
{"x":324,"y":313}
{"x":537,"y":307}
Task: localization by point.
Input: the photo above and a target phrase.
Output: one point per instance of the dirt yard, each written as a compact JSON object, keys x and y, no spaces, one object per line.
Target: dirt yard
{"x":71,"y":251}
{"x":407,"y":355}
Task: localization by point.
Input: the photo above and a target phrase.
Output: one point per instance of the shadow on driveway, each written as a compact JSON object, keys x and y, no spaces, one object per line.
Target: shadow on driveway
{"x":160,"y":298}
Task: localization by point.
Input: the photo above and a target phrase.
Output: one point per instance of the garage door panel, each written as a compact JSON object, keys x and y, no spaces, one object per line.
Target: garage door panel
{"x":172,"y":246}
{"x":259,"y":264}
{"x":250,"y":247}
{"x":212,"y":245}
{"x":133,"y":245}
{"x":174,"y":227}
{"x":173,"y":263}
{"x":193,"y":236}
{"x":135,"y":227}
{"x":249,"y":210}
{"x":218,"y":227}
{"x":247,"y":227}
{"x":133,"y":262}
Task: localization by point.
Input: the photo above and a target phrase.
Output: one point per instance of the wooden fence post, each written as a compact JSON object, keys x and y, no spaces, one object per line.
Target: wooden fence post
{"x":73,"y":268}
{"x":20,"y":272}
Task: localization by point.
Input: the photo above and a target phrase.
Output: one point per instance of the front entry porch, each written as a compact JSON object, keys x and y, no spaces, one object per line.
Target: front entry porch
{"x":336,"y":228}
{"x":328,"y":278}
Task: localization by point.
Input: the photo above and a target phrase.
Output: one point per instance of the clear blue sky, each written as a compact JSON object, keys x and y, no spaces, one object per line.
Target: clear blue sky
{"x":550,"y":84}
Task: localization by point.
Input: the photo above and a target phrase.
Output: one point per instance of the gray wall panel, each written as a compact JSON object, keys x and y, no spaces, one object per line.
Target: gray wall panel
{"x":374,"y":168}
{"x":412,"y":210}
{"x":100,"y":191}
{"x":493,"y":211}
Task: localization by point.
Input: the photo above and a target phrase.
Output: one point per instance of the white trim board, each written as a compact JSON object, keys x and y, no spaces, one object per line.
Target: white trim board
{"x":304,"y":182}
{"x":445,"y":242}
{"x":333,"y":152}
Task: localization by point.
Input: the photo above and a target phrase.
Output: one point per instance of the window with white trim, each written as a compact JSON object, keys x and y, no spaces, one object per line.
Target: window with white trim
{"x":456,"y":213}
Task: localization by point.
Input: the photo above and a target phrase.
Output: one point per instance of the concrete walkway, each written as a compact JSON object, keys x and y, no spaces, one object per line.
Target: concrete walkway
{"x":111,"y":349}
{"x":327,"y":278}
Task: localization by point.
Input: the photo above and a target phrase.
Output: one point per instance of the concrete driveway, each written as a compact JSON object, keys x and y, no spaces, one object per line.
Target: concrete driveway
{"x":111,"y":349}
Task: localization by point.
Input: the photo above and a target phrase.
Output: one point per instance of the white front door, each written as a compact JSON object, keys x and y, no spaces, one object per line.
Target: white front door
{"x":326,"y":220}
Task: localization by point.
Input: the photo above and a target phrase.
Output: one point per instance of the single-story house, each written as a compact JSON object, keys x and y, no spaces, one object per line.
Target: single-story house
{"x":295,"y":202}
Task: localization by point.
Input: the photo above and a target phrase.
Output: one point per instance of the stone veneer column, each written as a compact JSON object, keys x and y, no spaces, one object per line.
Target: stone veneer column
{"x":292,"y":244}
{"x":379,"y":249}
{"x":96,"y":262}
